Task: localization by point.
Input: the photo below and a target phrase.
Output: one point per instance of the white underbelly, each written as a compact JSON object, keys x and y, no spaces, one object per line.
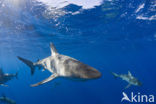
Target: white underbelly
{"x":47,"y":65}
{"x":60,"y":70}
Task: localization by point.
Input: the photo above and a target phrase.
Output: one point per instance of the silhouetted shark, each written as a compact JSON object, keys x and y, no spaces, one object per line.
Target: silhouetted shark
{"x":5,"y":77}
{"x":6,"y":100}
{"x":62,"y":66}
{"x":128,"y":78}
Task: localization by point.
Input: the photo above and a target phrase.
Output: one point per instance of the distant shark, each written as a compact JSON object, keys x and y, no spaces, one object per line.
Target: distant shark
{"x":62,"y":66}
{"x":128,"y":78}
{"x":6,"y":100}
{"x":6,"y":77}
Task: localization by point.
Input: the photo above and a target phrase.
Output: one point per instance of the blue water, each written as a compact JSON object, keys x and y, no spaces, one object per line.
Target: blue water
{"x":108,"y":37}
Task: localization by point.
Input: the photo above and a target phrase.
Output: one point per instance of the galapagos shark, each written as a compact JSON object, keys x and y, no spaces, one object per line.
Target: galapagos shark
{"x":128,"y":78}
{"x":62,"y":66}
{"x":6,"y":100}
{"x":5,"y":77}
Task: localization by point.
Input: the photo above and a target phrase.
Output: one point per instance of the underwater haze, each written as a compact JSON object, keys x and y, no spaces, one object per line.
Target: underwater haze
{"x":109,"y":35}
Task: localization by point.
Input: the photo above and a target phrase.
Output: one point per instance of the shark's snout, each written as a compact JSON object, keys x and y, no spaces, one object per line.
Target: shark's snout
{"x":95,"y":74}
{"x":92,"y":73}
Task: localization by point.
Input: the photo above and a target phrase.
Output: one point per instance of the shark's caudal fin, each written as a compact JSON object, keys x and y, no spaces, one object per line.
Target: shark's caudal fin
{"x":115,"y":75}
{"x":46,"y":80}
{"x":29,"y":63}
{"x":53,"y":49}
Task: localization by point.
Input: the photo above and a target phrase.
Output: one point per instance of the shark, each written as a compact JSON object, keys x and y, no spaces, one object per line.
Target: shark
{"x":6,"y":100}
{"x":128,"y":78}
{"x":60,"y":65}
{"x":5,"y":77}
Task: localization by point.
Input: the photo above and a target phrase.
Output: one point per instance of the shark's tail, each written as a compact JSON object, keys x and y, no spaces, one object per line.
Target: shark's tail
{"x":29,"y":63}
{"x":115,"y":75}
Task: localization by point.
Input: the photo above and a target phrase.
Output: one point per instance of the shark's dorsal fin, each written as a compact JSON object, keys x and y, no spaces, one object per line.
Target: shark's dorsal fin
{"x":129,"y":73}
{"x":46,"y":80}
{"x":53,"y":49}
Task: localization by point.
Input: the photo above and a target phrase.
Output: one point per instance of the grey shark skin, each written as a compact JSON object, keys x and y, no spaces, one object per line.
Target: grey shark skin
{"x":6,"y":100}
{"x":62,"y":66}
{"x":5,"y":77}
{"x":128,"y":78}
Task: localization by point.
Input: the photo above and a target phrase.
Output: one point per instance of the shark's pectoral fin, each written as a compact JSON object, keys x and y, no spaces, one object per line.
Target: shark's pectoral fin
{"x":128,"y":86}
{"x":53,"y":49}
{"x":46,"y":80}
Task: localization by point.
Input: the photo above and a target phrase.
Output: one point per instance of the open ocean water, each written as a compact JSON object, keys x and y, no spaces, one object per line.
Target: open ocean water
{"x":109,"y":35}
